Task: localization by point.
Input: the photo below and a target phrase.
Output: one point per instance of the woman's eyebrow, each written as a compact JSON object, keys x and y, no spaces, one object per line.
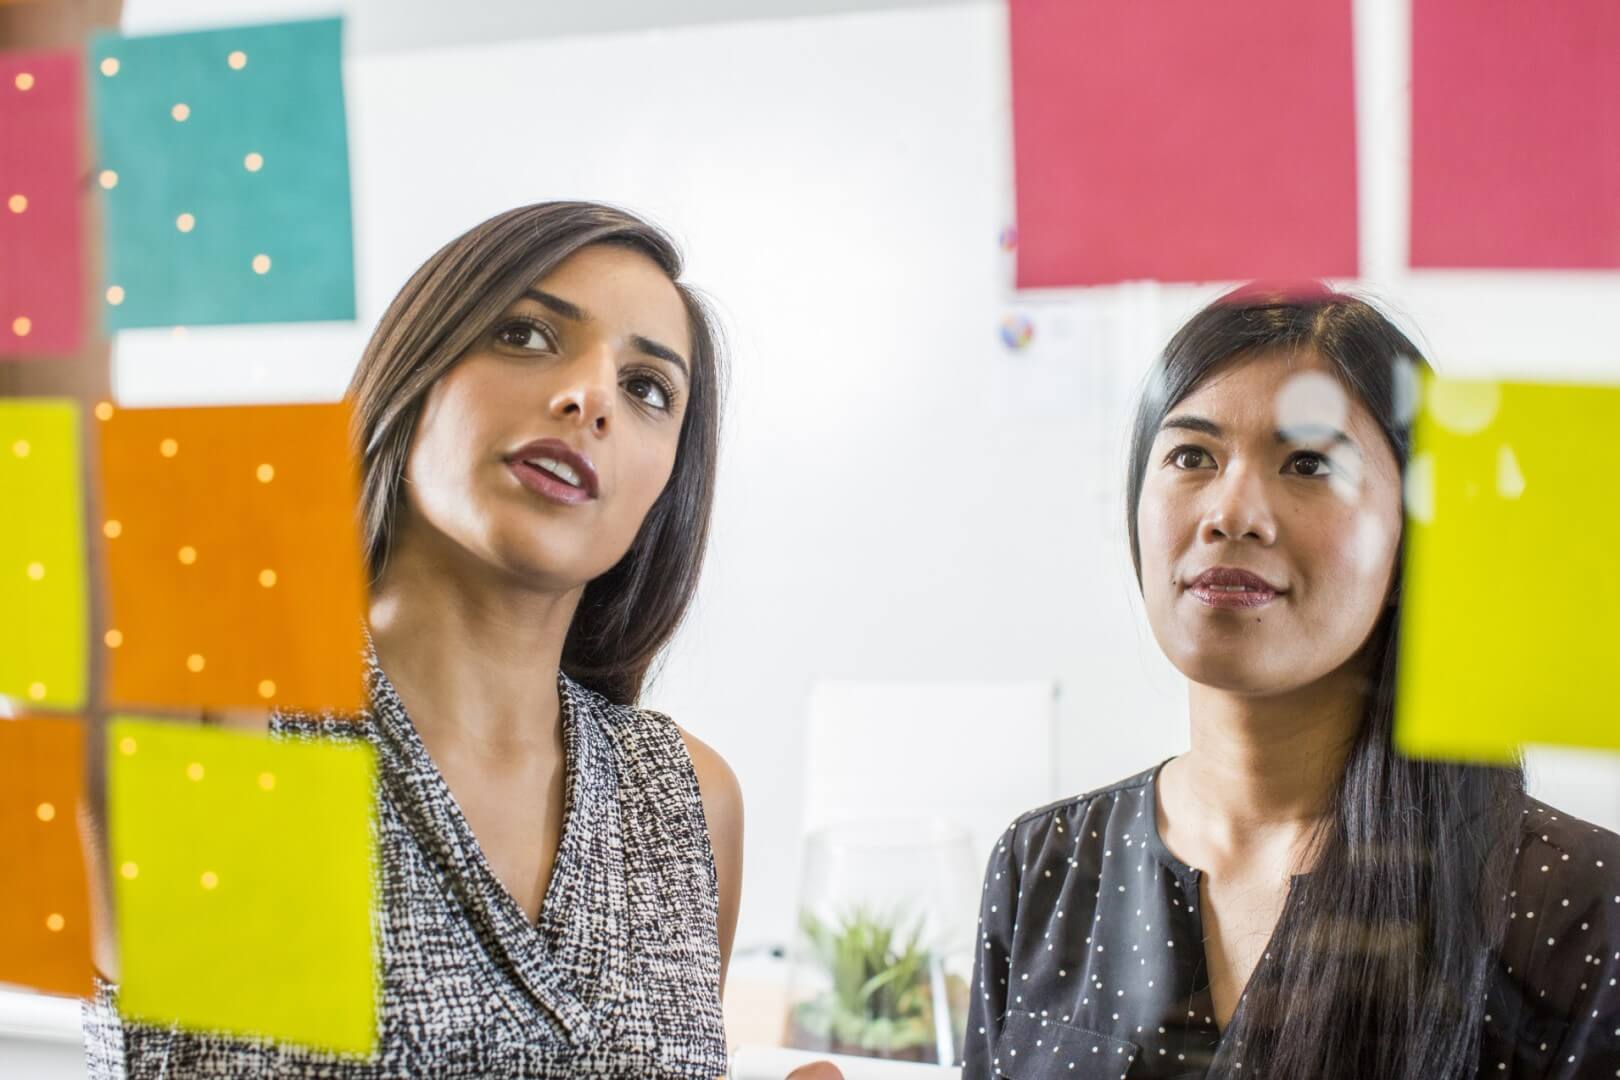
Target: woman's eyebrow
{"x":662,"y":352}
{"x":1188,"y":422}
{"x":558,"y":304}
{"x":1304,"y":433}
{"x":1318,"y":433}
{"x":578,"y":314}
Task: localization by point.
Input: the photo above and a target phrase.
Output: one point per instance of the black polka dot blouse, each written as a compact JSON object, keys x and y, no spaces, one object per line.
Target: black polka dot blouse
{"x":1090,"y":963}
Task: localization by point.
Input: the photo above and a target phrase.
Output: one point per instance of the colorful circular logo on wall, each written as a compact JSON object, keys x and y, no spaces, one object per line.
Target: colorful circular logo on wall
{"x":1016,"y":331}
{"x":1009,"y":238}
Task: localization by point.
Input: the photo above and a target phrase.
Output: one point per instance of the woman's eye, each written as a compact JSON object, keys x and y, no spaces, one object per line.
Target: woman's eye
{"x":1309,"y":464}
{"x":1188,"y":457}
{"x":522,"y":335}
{"x":648,"y":391}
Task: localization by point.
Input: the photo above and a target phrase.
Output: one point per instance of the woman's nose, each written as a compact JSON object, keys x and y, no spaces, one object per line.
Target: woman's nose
{"x":585,"y":395}
{"x":1239,"y":510}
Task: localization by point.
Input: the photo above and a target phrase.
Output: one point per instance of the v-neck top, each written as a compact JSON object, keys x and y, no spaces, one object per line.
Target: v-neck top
{"x":619,"y":976}
{"x":1091,"y":964}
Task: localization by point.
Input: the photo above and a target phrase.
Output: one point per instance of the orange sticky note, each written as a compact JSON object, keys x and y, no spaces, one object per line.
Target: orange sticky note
{"x":233,"y":561}
{"x":44,"y":897}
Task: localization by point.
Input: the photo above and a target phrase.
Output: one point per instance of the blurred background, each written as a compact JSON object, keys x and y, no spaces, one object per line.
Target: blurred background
{"x":920,"y":533}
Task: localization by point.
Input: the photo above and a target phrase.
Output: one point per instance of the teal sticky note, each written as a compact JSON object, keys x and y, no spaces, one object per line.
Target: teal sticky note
{"x":223,"y":162}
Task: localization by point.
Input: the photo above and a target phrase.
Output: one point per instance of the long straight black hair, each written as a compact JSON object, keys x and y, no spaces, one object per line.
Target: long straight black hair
{"x":1379,"y":965}
{"x":626,"y":616}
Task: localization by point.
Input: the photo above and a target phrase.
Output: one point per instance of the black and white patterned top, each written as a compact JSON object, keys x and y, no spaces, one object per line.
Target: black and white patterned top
{"x":620,"y":977}
{"x":1091,"y":965}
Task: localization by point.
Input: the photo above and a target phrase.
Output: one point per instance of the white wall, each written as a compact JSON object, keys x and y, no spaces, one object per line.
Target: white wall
{"x":39,"y":1037}
{"x":902,"y":498}
{"x":392,"y":25}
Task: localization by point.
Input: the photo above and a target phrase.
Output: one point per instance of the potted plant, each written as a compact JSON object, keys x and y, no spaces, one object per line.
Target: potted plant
{"x":878,"y":991}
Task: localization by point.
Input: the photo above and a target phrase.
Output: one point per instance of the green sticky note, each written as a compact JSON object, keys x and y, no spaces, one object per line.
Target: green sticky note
{"x":42,"y":560}
{"x":223,"y":163}
{"x":1510,"y":628}
{"x":245,"y":877}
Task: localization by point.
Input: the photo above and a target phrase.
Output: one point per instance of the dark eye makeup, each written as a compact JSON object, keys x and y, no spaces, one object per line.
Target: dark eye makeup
{"x":648,"y":386}
{"x":1319,"y":464}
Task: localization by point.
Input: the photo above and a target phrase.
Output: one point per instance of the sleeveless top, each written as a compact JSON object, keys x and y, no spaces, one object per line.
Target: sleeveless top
{"x":620,"y":976}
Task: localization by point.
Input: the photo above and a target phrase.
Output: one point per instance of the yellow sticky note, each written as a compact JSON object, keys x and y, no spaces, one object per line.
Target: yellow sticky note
{"x":245,"y":869}
{"x":1511,"y":609}
{"x":42,"y":563}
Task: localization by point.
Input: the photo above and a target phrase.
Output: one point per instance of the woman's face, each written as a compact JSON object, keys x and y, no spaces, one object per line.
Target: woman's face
{"x":1269,"y":524}
{"x":541,"y":451}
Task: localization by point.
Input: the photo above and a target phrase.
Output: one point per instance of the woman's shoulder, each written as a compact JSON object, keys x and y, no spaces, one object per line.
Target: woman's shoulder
{"x":1574,"y":863}
{"x":651,"y":739}
{"x":1559,"y":972}
{"x":1048,"y":814}
{"x":1092,"y":811}
{"x":1563,"y":897}
{"x":635,"y":730}
{"x":659,"y":759}
{"x":1568,"y":835}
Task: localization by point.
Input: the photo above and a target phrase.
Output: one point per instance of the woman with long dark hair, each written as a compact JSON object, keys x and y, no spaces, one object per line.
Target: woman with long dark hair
{"x":1292,"y":898}
{"x":537,"y":417}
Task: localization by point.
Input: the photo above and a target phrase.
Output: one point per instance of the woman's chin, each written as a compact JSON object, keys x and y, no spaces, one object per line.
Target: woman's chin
{"x":1235,"y":670}
{"x":542,"y":575}
{"x":548,"y":568}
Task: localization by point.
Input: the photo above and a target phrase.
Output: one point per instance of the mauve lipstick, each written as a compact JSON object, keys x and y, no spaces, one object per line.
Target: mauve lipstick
{"x":544,"y":483}
{"x":1229,"y":587}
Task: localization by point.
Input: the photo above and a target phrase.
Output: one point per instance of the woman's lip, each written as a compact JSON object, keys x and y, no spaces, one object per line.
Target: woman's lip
{"x":559,"y":451}
{"x":543,"y":483}
{"x":1211,"y":596}
{"x":1233,"y":576}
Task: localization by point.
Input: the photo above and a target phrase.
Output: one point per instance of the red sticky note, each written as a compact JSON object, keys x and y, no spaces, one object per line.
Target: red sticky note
{"x":41,"y":282}
{"x":1181,"y":140}
{"x":1515,"y":151}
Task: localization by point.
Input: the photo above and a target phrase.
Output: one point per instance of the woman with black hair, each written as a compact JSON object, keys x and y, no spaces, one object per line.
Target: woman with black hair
{"x":537,"y":416}
{"x":1291,"y":898}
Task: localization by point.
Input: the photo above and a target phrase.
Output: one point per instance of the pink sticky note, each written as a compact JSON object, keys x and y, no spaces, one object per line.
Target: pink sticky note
{"x":1516,"y":134}
{"x":41,"y":280}
{"x":1183,"y":140}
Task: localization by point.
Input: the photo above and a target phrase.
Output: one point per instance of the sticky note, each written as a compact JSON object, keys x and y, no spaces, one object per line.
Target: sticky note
{"x":1511,"y":605}
{"x":233,"y":566}
{"x":44,"y":899}
{"x":224,"y":167}
{"x":1514,"y":162}
{"x":244,"y":872}
{"x":1180,"y":140}
{"x":41,"y":236}
{"x":43,"y":595}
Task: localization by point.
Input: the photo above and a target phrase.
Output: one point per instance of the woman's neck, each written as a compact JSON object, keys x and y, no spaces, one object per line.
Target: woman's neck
{"x":473,"y":655}
{"x":1265,"y":768}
